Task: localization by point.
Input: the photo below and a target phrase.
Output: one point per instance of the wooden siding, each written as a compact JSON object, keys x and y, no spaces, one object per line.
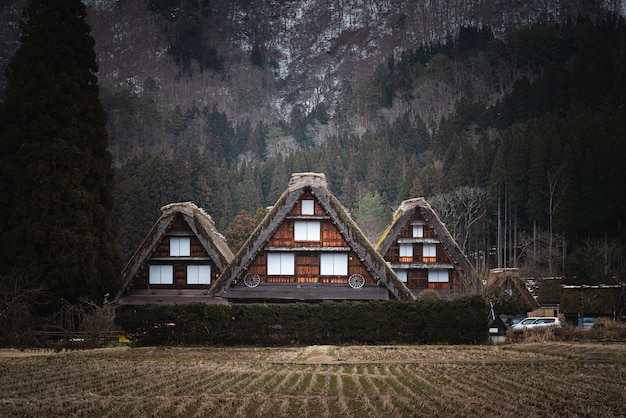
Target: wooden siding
{"x":179,"y":226}
{"x":418,"y":278}
{"x":307,"y":258}
{"x":163,"y":249}
{"x":331,"y":236}
{"x":407,"y":230}
{"x":161,"y":256}
{"x":394,"y":255}
{"x":297,"y":208}
{"x":283,"y":237}
{"x":180,"y":276}
{"x":307,"y":267}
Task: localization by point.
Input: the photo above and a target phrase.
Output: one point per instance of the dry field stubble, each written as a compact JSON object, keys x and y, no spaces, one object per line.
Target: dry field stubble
{"x":531,"y":380}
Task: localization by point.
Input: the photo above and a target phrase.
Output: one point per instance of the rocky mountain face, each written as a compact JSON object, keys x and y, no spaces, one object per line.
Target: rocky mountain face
{"x":275,"y":55}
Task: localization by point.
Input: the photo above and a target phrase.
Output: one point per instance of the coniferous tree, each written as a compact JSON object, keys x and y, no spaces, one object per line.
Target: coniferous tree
{"x":56,"y":178}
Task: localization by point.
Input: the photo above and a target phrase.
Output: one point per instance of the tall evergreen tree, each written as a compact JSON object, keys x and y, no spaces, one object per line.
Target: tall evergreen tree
{"x":56,"y":177}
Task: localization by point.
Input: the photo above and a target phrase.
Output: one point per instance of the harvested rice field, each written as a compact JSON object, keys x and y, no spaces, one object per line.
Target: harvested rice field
{"x":530,"y":380}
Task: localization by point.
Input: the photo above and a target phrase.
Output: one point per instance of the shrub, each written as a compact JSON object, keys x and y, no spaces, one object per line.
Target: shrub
{"x":609,"y":331}
{"x":460,"y":321}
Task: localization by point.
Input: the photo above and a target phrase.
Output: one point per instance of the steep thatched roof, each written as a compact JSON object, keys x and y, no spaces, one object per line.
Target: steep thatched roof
{"x":592,"y":299}
{"x":403,"y":215}
{"x":200,"y":223}
{"x":316,"y":184}
{"x":508,"y":279}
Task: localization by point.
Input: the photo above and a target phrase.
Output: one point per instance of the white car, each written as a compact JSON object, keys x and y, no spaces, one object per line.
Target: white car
{"x":537,"y":322}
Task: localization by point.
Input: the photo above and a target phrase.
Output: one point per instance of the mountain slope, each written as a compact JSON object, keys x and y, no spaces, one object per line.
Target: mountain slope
{"x":280,"y":54}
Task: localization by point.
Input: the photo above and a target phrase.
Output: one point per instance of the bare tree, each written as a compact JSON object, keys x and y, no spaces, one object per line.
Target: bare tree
{"x":473,"y":201}
{"x":85,"y":321}
{"x":18,"y":297}
{"x":611,"y":252}
{"x":554,"y":195}
{"x":460,"y":210}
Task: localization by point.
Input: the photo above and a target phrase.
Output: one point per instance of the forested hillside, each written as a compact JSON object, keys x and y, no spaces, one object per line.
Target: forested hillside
{"x":527,"y":179}
{"x":508,"y":118}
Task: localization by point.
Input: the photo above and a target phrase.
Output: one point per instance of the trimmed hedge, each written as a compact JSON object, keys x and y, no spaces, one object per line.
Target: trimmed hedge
{"x":459,"y":321}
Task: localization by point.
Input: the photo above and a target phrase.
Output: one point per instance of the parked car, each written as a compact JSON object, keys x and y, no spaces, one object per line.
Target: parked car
{"x":537,"y":322}
{"x":589,"y":322}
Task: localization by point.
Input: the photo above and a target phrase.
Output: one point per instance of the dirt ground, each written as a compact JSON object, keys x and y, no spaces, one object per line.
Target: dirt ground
{"x":544,"y":379}
{"x":331,"y":354}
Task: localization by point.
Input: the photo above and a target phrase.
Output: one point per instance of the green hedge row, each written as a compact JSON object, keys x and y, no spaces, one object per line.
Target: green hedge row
{"x":460,"y":321}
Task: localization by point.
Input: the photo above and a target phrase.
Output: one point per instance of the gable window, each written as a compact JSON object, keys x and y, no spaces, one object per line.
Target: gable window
{"x":430,"y":253}
{"x":306,"y":230}
{"x":334,"y":264}
{"x":180,"y":247}
{"x":280,"y":264}
{"x":406,"y":253}
{"x":308,"y":207}
{"x":438,"y":276}
{"x":418,"y":230}
{"x":198,"y":274}
{"x":161,"y":274}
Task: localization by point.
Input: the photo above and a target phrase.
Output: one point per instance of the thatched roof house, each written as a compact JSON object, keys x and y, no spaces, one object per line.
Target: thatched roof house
{"x":592,"y":300}
{"x":308,"y":248}
{"x":508,"y":280}
{"x":423,"y":253}
{"x":178,"y":261}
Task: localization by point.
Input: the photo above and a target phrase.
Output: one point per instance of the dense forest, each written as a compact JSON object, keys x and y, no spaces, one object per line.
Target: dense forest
{"x":527,"y":170}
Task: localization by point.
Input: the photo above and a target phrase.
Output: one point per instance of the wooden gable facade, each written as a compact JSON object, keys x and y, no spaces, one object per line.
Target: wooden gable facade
{"x":178,"y":261}
{"x":308,"y":248}
{"x":423,"y":254}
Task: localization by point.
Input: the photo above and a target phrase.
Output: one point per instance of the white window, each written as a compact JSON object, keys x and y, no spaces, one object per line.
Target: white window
{"x":418,"y":230}
{"x":438,"y":276}
{"x":198,"y":274}
{"x":406,"y":250}
{"x":280,"y":264}
{"x":180,"y":247}
{"x":306,"y":230}
{"x":161,"y":275}
{"x":308,"y":207}
{"x":334,"y":264}
{"x":401,"y":273}
{"x":430,"y":250}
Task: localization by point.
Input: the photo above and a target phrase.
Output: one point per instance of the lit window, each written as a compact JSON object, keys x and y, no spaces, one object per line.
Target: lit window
{"x":334,"y":264}
{"x":308,"y":207}
{"x":430,"y":253}
{"x":280,"y":264}
{"x":306,"y":230}
{"x":198,"y":274}
{"x":180,"y":247}
{"x":438,"y":276}
{"x":402,"y":275}
{"x":161,"y":275}
{"x":406,"y":250}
